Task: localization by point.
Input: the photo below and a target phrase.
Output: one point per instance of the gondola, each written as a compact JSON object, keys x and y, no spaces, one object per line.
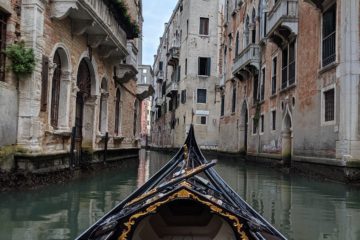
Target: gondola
{"x":185,"y":199}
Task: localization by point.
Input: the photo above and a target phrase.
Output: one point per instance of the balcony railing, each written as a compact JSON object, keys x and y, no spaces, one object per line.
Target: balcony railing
{"x":171,"y":88}
{"x":173,"y":55}
{"x":92,"y":17}
{"x":284,"y":13}
{"x":249,"y":56}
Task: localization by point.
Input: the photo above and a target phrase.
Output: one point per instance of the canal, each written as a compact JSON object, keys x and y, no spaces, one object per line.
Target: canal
{"x":299,"y":207}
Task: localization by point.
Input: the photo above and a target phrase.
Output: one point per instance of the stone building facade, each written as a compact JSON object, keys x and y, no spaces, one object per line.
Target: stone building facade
{"x":186,"y":75}
{"x":290,"y":81}
{"x":145,"y":85}
{"x":83,"y":86}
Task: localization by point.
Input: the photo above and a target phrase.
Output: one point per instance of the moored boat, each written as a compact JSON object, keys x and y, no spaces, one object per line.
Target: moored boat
{"x":186,"y":199}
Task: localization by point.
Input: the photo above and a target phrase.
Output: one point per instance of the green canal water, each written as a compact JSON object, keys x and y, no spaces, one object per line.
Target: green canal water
{"x":299,"y":207}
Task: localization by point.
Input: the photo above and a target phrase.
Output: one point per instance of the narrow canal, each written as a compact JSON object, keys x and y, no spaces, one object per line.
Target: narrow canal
{"x":299,"y":207}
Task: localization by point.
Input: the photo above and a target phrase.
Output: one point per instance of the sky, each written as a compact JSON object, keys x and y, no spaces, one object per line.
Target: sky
{"x":156,"y":13}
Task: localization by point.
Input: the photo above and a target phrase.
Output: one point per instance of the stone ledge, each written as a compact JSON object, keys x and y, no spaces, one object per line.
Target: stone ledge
{"x":318,"y":160}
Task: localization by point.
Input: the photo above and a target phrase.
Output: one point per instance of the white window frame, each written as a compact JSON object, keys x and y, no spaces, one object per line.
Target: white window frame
{"x":323,"y":90}
{"x":329,"y":4}
{"x":206,"y":98}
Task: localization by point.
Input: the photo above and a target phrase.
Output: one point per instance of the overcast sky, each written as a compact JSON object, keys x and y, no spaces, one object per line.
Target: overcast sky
{"x":156,"y":13}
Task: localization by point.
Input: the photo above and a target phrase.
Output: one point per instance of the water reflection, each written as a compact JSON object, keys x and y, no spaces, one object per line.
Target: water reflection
{"x":298,"y":207}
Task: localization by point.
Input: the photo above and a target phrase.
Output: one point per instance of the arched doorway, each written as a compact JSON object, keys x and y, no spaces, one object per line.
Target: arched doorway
{"x":243,"y":129}
{"x":286,"y":140}
{"x":84,"y":109}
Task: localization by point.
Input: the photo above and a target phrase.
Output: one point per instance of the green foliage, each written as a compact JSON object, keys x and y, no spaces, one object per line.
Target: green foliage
{"x":22,"y":58}
{"x":120,"y":11}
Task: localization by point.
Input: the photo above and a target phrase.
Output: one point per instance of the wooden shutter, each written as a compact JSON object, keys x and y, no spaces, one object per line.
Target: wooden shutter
{"x":44,"y":83}
{"x":208,"y":67}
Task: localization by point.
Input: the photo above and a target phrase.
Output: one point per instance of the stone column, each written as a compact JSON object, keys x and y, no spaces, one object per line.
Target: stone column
{"x":286,"y":147}
{"x":348,"y":72}
{"x":29,"y":124}
{"x":64,"y":104}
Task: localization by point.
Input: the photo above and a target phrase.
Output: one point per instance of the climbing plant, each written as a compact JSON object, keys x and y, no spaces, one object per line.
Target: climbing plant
{"x":22,"y":58}
{"x":121,"y":14}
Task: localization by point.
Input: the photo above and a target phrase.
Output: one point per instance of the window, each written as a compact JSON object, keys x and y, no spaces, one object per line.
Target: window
{"x":201,"y":120}
{"x":117,"y":112}
{"x":201,"y":96}
{"x":237,"y":44}
{"x":222,"y":111}
{"x":161,"y":65}
{"x":233,"y":104}
{"x":183,"y":96}
{"x":273,"y":77}
{"x":44,"y":82}
{"x":204,"y":26}
{"x":329,"y":97}
{"x":288,"y":65}
{"x":329,"y":36}
{"x":204,"y":66}
{"x":55,"y":91}
{"x":262,"y":85}
{"x":3,"y":20}
{"x":171,"y":103}
{"x":255,"y":86}
{"x":254,"y":129}
{"x":262,"y":124}
{"x":253,"y":31}
{"x":273,"y":120}
{"x":186,"y":66}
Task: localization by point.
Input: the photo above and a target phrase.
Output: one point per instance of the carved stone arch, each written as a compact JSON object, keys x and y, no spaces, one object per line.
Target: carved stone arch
{"x":287,"y":121}
{"x":95,"y":82}
{"x":60,"y":87}
{"x":286,"y":136}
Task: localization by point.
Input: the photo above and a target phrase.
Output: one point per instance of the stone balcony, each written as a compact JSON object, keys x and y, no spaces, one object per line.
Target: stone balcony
{"x":173,"y":56}
{"x":158,"y":101}
{"x":247,"y":61}
{"x":160,"y":76}
{"x":282,"y":21}
{"x":172,"y":88}
{"x":93,"y":18}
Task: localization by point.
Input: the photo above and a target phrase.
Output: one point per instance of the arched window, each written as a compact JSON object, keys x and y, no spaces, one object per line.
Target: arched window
{"x":117,"y":112}
{"x":55,"y":91}
{"x":103,"y":107}
{"x":237,"y":44}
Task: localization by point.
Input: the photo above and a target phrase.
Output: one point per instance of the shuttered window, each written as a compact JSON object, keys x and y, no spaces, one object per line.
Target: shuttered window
{"x":204,"y":66}
{"x":204,"y":26}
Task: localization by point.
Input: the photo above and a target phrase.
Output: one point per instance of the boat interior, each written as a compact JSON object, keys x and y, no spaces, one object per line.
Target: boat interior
{"x":184,"y":220}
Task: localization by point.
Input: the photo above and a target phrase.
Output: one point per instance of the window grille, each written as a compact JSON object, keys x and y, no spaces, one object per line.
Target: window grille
{"x":329,"y":97}
{"x":329,"y":36}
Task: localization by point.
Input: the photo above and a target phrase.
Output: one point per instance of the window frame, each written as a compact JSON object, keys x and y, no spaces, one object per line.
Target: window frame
{"x":288,"y":65}
{"x":274,"y":74}
{"x":272,"y":120}
{"x":197,"y":95}
{"x":207,"y":72}
{"x":323,"y":105}
{"x":326,"y":9}
{"x":262,"y":124}
{"x":233,"y":99}
{"x":204,"y":28}
{"x":254,"y":128}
